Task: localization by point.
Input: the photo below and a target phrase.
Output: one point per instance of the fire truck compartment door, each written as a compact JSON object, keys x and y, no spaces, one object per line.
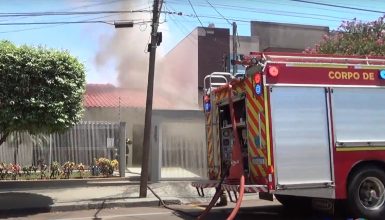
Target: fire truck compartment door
{"x":359,"y":116}
{"x":300,"y":135}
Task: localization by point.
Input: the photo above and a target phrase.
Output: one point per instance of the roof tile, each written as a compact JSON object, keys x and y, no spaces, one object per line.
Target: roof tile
{"x":107,"y":95}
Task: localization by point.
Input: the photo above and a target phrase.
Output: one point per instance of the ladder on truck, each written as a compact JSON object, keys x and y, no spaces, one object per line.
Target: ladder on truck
{"x":212,"y":112}
{"x":211,"y":82}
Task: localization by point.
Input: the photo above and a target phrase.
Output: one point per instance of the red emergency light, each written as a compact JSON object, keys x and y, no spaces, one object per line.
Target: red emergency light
{"x":257,"y":78}
{"x":206,"y":98}
{"x":207,"y":104}
{"x":273,"y":71}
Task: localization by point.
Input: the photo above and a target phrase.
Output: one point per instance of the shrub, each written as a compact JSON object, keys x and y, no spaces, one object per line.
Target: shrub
{"x":55,"y":170}
{"x":68,"y":167}
{"x":42,"y":167}
{"x":105,"y":166}
{"x":3,"y":170}
{"x":15,"y":170}
{"x":80,"y":168}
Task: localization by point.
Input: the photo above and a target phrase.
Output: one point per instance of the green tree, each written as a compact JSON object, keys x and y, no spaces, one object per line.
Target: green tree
{"x":354,"y":38}
{"x":41,"y":89}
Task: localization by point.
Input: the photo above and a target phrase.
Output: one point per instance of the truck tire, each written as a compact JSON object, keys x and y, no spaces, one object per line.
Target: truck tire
{"x":366,"y":193}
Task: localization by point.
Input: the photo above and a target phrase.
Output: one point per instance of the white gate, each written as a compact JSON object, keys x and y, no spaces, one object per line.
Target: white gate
{"x":178,"y":148}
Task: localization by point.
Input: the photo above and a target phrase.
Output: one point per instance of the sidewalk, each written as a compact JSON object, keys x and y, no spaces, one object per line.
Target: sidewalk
{"x":94,"y":194}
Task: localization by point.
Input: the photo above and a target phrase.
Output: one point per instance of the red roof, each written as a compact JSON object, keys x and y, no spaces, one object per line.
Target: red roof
{"x":107,"y":95}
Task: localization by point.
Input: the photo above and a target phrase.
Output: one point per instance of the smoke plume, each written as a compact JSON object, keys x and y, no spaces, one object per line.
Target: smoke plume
{"x":126,"y":49}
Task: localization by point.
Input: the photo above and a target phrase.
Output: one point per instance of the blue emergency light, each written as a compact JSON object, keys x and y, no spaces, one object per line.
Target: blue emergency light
{"x":382,"y":74}
{"x":258,"y":89}
{"x":207,"y":106}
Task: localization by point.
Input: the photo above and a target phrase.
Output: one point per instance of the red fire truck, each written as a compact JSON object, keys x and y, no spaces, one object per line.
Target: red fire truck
{"x":299,"y":127}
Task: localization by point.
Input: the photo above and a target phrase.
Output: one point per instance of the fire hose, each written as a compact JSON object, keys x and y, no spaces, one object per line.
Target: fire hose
{"x":242,"y":177}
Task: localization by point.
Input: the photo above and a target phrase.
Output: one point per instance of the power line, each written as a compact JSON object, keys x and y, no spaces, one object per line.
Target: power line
{"x":75,"y":8}
{"x":276,"y":12}
{"x":244,"y":19}
{"x":67,"y":22}
{"x":195,"y":13}
{"x":65,"y":13}
{"x":48,"y":26}
{"x":302,"y":6}
{"x":218,"y":12}
{"x":180,"y":25}
{"x":339,"y":6}
{"x":95,"y":4}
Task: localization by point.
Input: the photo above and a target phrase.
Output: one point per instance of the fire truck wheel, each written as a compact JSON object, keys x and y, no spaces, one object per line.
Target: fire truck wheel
{"x":366,"y":190}
{"x":293,"y":202}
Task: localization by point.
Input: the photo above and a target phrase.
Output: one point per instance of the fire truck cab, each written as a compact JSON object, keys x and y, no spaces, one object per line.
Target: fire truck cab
{"x":300,"y":126}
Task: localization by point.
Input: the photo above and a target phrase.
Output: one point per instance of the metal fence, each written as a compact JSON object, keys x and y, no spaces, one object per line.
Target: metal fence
{"x":81,"y":144}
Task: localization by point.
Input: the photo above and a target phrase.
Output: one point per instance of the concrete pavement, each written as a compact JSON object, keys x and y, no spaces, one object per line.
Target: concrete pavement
{"x":64,"y":195}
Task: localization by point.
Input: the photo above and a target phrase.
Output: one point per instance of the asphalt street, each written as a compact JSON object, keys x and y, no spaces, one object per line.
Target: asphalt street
{"x":251,"y":209}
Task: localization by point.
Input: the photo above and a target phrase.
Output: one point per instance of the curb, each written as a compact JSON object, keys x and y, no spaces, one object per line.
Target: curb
{"x":86,"y":205}
{"x":110,"y":204}
{"x":64,"y":183}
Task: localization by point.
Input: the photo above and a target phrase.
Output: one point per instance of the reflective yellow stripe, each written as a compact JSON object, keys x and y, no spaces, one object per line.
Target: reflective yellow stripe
{"x":250,"y":91}
{"x":346,"y":149}
{"x":342,"y":66}
{"x":369,"y":67}
{"x":267,"y":121}
{"x":217,"y":146}
{"x":209,"y":142}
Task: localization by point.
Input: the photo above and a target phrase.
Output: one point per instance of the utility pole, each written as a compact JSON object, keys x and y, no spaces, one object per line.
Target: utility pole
{"x":150,"y":87}
{"x":235,"y":46}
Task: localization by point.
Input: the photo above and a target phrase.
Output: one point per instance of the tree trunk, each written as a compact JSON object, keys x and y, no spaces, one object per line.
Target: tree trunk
{"x":4,"y":137}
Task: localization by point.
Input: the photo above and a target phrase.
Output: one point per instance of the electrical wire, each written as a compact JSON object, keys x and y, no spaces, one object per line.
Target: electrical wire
{"x":218,"y":12}
{"x":74,"y":8}
{"x":51,"y":22}
{"x":63,"y":13}
{"x":339,"y":6}
{"x":181,"y":28}
{"x":46,"y":26}
{"x":195,"y":13}
{"x":310,"y":7}
{"x":95,"y":4}
{"x":275,"y":12}
{"x":110,"y":22}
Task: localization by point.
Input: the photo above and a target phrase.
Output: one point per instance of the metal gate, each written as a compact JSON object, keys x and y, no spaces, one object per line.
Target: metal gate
{"x":178,"y":148}
{"x":81,"y":144}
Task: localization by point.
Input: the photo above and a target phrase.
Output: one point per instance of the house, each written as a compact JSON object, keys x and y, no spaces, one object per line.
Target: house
{"x":106,"y":102}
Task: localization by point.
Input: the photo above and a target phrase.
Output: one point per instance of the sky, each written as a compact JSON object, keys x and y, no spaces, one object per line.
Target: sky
{"x":107,"y":52}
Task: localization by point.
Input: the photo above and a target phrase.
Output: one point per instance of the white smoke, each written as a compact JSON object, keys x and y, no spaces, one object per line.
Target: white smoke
{"x":127,"y":50}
